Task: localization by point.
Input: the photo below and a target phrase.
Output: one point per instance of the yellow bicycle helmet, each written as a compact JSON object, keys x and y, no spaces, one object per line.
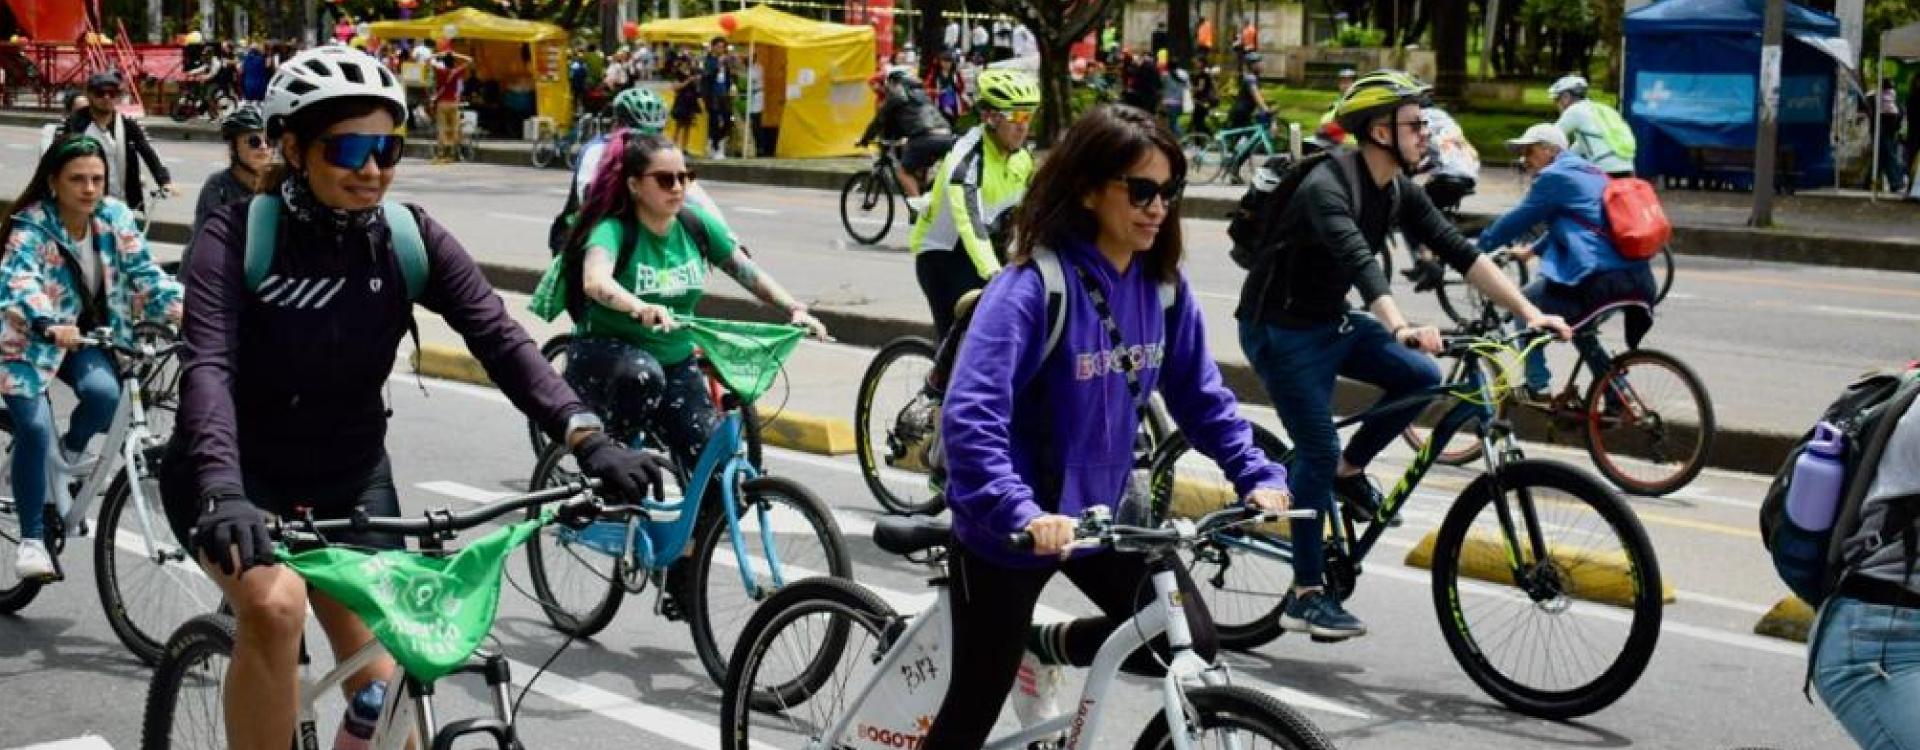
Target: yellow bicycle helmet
{"x":1005,"y":90}
{"x":1379,"y":93}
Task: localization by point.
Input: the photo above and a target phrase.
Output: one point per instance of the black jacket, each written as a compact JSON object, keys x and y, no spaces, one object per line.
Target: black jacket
{"x":136,"y":145}
{"x":1331,"y":245}
{"x":907,"y":113}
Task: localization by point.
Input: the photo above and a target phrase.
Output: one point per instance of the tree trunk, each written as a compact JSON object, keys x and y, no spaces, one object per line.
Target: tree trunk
{"x":933,"y":29}
{"x":1055,"y":26}
{"x":1056,"y":91}
{"x":1449,"y":49}
{"x":1179,"y":33}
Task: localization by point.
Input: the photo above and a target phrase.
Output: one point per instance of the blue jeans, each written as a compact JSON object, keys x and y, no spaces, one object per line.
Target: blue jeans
{"x":1575,"y":303}
{"x":91,"y":374}
{"x":1867,"y":669}
{"x":1299,"y":367}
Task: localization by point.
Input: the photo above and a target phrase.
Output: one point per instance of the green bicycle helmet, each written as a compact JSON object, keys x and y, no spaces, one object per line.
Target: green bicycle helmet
{"x":642,"y":110}
{"x":243,"y":120}
{"x":1004,"y":90}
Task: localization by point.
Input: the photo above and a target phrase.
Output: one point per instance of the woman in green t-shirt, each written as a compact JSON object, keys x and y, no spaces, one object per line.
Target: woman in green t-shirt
{"x":637,"y":269}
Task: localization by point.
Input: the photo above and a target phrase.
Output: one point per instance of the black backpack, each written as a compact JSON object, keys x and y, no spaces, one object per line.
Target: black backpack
{"x":1256,"y":225}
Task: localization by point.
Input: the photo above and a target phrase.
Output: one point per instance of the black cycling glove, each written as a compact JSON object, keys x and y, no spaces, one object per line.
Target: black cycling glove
{"x":625,"y":475}
{"x":232,"y":529}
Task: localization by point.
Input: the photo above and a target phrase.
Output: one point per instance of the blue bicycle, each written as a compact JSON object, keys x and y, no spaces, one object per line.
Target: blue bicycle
{"x":750,"y":533}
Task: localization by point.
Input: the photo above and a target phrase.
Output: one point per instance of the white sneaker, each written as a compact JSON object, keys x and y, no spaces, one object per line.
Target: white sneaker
{"x":1036,"y":693}
{"x":74,"y":464}
{"x":31,"y":560}
{"x":919,"y":203}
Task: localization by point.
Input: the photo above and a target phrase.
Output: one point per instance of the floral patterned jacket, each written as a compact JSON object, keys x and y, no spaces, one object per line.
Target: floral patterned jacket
{"x":40,"y":287}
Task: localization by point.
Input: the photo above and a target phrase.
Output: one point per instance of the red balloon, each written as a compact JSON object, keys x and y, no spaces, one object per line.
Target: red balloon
{"x":729,"y":23}
{"x":630,"y":31}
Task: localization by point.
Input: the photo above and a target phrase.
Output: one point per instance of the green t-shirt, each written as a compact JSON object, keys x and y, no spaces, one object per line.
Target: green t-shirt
{"x":665,"y":271}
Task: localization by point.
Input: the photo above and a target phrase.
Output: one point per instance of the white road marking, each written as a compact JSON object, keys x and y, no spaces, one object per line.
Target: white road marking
{"x":1702,"y":496}
{"x":460,"y":491}
{"x":700,"y":733}
{"x":1855,"y":312}
{"x":21,"y":146}
{"x":754,"y":210}
{"x":521,"y":217}
{"x":84,"y":742}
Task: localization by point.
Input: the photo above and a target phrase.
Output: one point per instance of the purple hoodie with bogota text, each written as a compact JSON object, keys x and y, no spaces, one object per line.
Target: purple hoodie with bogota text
{"x":1025,"y":438}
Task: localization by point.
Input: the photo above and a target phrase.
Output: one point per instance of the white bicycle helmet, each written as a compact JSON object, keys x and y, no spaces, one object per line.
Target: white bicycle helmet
{"x":327,"y":73}
{"x":1573,"y":84}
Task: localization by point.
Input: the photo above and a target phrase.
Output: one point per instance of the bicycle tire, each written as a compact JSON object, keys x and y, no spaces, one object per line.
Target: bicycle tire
{"x":1238,"y":709}
{"x":1464,"y":448}
{"x":17,"y":593}
{"x":864,"y":194}
{"x":467,"y":151}
{"x":1663,"y":267}
{"x":1606,"y":451}
{"x":869,"y":442}
{"x":551,"y":351}
{"x":1194,"y":144}
{"x":713,"y":638}
{"x":849,"y":603}
{"x":182,"y":671}
{"x":543,"y":152}
{"x":1245,"y":605}
{"x":1641,"y":579}
{"x":183,"y":110}
{"x":1212,"y":164}
{"x":586,"y":614}
{"x":175,"y":589}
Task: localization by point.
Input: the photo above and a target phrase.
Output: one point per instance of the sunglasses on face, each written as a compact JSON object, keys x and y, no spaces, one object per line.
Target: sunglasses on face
{"x":666,"y":180}
{"x":1418,"y":126}
{"x":352,"y":150}
{"x":1141,"y":191}
{"x":255,"y":140}
{"x":1017,"y":117}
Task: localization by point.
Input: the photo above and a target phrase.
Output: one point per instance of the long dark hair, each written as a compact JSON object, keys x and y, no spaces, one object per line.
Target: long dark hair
{"x":628,"y":154}
{"x":310,"y":123}
{"x":55,"y":159}
{"x":1099,"y":147}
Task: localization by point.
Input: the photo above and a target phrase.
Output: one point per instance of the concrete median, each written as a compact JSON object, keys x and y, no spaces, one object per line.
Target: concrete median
{"x":1791,"y":619}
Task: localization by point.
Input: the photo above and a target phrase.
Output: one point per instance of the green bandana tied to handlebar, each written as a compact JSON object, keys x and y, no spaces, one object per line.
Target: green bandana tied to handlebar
{"x":429,"y":612}
{"x":746,"y":356}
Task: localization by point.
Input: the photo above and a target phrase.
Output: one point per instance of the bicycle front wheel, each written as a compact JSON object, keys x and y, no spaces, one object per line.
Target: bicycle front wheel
{"x":149,"y":584}
{"x":1649,"y":423}
{"x":801,"y":662}
{"x":866,"y":208}
{"x":185,"y":707}
{"x":1242,"y":575}
{"x":555,"y":353}
{"x":894,"y":422}
{"x":1566,"y":610}
{"x":544,"y":152}
{"x":578,"y":582}
{"x":1210,"y":164}
{"x":1239,"y":717}
{"x":787,"y":535}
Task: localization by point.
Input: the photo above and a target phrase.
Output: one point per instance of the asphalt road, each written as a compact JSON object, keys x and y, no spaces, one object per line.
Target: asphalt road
{"x":1772,"y":341}
{"x":1711,"y":685}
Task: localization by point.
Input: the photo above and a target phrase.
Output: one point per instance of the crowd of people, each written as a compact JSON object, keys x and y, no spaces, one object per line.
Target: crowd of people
{"x":712,"y":81}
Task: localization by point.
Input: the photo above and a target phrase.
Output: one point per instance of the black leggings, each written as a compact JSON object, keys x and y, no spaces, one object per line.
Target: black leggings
{"x":635,"y":394}
{"x":945,"y":277}
{"x":993,"y":609}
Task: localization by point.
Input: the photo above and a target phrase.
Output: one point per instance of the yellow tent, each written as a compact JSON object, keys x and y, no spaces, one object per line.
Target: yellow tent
{"x":504,"y":49}
{"x":816,"y":80}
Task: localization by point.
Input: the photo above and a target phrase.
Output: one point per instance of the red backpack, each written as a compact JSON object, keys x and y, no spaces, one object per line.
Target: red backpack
{"x":1635,"y":222}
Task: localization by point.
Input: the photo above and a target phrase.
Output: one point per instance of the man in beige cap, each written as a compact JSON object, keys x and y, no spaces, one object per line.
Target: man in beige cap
{"x":1580,"y":270}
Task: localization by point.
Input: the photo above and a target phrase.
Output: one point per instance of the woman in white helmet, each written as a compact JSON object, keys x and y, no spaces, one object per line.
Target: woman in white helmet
{"x":283,"y":371}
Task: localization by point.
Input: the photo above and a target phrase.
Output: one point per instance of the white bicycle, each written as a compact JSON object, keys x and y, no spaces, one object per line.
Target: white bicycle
{"x":825,"y":663}
{"x":148,"y":583}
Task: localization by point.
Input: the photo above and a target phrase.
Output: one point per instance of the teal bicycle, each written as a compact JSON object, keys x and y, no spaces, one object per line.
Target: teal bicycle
{"x":713,"y":547}
{"x":1545,"y":583}
{"x":1230,"y":153}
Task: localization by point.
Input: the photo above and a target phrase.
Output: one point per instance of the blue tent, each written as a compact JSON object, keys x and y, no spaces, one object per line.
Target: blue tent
{"x":1692,"y":78}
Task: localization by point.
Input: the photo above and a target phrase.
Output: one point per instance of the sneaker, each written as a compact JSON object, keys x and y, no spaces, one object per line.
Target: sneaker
{"x":75,"y":463}
{"x":1363,"y":498}
{"x":1036,"y":694}
{"x":918,"y":203}
{"x":1317,"y":614}
{"x":31,"y":561}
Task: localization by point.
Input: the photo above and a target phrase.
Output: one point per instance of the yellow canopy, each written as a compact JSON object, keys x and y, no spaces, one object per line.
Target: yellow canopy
{"x":816,"y":74}
{"x":472,"y":24}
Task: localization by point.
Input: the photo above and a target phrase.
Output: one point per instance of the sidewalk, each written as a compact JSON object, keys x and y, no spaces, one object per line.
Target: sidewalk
{"x":1821,"y":226}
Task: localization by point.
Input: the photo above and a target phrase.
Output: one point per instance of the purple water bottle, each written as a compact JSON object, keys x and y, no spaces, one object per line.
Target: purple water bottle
{"x":1813,"y":500}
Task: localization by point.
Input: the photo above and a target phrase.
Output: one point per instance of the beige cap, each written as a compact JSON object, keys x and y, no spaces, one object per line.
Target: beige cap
{"x":1541,"y":133}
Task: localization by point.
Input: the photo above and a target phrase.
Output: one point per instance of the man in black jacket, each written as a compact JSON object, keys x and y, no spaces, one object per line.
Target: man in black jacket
{"x":909,"y":114}
{"x":124,"y":139}
{"x":1300,"y":336}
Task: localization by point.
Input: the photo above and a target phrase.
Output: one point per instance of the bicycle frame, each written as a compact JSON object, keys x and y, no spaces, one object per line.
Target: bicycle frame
{"x":127,"y":439}
{"x":1079,"y":727}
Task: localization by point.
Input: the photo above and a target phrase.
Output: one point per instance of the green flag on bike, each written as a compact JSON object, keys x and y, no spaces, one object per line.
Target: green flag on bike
{"x":550,"y":296}
{"x":429,"y":612}
{"x":746,"y":356}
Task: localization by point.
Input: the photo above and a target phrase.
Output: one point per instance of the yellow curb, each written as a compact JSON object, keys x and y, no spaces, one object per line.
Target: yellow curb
{"x":1193,"y":498}
{"x":1791,"y":619}
{"x":1597,"y":577}
{"x":788,"y":429}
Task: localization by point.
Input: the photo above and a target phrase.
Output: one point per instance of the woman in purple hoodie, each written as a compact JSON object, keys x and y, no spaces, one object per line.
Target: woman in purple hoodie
{"x":1037,"y":436}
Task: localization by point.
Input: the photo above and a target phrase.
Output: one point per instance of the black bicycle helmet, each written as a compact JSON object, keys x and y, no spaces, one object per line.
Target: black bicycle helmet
{"x":103,"y":80}
{"x":243,"y":120}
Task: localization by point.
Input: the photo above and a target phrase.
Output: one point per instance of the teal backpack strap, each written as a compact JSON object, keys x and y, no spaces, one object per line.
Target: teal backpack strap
{"x":263,"y":230}
{"x":408,"y":247}
{"x":1053,"y":278}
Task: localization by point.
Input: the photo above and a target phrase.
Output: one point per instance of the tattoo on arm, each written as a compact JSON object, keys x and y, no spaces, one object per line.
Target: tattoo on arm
{"x":742,"y":269}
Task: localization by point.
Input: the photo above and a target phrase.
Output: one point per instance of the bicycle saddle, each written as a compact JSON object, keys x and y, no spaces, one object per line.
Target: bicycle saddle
{"x":905,"y":535}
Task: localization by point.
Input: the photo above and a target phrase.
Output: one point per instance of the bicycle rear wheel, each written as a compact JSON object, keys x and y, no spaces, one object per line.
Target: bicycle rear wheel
{"x":894,"y":423}
{"x":1210,"y":164}
{"x":1569,"y":628}
{"x":866,"y":208}
{"x":1238,"y":717}
{"x":185,"y":709}
{"x":1464,"y":446}
{"x":1663,"y":273}
{"x":544,"y":152}
{"x":578,"y":583}
{"x":15,"y":594}
{"x":780,"y":521}
{"x":801,"y":661}
{"x":1465,"y":304}
{"x":147,"y":594}
{"x":1242,"y":575}
{"x":1649,"y":422}
{"x":555,"y":353}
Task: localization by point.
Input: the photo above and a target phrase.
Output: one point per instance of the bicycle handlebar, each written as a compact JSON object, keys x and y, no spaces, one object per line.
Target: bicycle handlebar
{"x":1096,"y":528}
{"x":102,"y":337}
{"x":441,"y":523}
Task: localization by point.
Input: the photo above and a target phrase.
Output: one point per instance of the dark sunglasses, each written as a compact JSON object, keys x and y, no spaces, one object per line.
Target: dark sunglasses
{"x":256,"y":140}
{"x":666,"y":180}
{"x":352,"y":150}
{"x":1141,"y":191}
